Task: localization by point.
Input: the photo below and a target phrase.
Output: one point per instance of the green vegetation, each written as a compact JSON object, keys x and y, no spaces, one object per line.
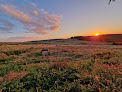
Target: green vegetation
{"x":70,"y":68}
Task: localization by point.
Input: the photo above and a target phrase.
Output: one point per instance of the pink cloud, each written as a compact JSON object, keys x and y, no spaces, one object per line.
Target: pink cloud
{"x":16,"y":14}
{"x":54,"y":28}
{"x":32,"y":19}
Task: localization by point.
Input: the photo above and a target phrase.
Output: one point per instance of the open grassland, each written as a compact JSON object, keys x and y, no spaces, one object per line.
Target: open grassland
{"x":70,"y":68}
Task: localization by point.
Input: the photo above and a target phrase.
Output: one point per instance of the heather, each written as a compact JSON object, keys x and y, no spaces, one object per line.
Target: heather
{"x":70,"y":68}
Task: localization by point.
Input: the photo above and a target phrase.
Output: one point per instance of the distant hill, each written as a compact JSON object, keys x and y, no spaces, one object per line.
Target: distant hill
{"x":111,"y":37}
{"x":47,"y":40}
{"x":107,"y":37}
{"x":115,"y":38}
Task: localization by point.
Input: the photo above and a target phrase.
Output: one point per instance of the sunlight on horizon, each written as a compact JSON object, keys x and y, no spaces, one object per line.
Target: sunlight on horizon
{"x":96,"y":34}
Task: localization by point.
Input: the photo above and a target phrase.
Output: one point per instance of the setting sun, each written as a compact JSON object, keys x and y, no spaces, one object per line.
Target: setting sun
{"x":96,"y":34}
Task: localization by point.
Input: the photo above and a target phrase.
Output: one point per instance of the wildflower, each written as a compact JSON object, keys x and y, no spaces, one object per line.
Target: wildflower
{"x":97,"y":77}
{"x":99,"y":90}
{"x":114,"y":62}
{"x":86,"y":73}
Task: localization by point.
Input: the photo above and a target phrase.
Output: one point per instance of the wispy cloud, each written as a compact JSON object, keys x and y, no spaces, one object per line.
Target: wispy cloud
{"x":19,"y":39}
{"x":31,"y":18}
{"x":6,"y":26}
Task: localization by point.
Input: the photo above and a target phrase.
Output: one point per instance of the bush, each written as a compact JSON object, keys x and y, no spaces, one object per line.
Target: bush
{"x":3,"y":57}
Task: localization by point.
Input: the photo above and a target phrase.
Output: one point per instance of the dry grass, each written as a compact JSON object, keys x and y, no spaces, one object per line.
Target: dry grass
{"x":68,"y":68}
{"x":13,"y":75}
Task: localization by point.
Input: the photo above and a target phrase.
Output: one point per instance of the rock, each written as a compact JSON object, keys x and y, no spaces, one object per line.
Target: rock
{"x":46,"y":53}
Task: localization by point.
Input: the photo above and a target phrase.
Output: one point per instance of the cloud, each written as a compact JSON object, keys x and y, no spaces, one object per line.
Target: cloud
{"x":21,"y":39}
{"x":6,"y":26}
{"x":33,"y":4}
{"x":54,"y":28}
{"x":32,"y":19}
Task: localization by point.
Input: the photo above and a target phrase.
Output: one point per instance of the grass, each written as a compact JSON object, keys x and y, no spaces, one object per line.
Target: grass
{"x":70,"y":68}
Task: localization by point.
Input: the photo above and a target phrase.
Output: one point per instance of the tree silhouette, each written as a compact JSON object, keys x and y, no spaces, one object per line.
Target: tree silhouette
{"x":111,"y":1}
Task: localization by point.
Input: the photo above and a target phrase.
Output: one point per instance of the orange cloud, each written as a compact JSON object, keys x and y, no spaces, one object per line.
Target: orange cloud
{"x":19,"y":15}
{"x":32,"y":19}
{"x":54,"y":28}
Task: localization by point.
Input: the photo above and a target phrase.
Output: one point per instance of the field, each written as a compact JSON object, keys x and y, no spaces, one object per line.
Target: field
{"x":70,"y":68}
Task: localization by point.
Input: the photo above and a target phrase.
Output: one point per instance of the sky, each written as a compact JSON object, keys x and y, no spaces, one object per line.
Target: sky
{"x":28,"y":20}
